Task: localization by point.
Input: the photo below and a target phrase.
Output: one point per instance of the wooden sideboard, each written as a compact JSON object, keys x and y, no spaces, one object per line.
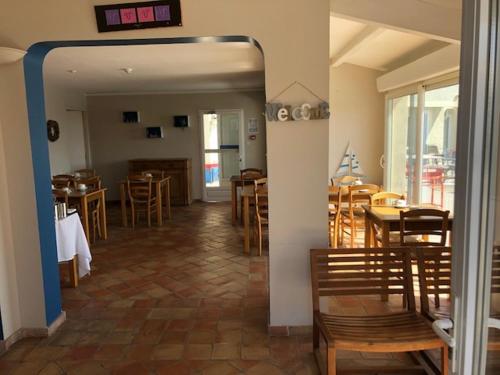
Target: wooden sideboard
{"x":178,"y":169}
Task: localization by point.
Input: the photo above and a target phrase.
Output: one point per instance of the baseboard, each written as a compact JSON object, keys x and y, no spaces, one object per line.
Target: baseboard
{"x":23,"y":333}
{"x":289,"y":330}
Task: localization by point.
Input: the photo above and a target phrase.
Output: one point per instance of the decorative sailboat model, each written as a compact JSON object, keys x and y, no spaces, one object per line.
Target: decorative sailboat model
{"x":350,"y":170}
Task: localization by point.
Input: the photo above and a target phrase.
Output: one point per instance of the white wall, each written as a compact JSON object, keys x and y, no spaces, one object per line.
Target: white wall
{"x":279,"y":26}
{"x":113,"y":143}
{"x":67,"y":153}
{"x":358,"y":113}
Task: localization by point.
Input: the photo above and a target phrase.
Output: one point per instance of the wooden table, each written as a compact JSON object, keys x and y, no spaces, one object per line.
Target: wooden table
{"x":83,"y":198}
{"x":387,"y":218}
{"x":248,"y":192}
{"x":159,"y":184}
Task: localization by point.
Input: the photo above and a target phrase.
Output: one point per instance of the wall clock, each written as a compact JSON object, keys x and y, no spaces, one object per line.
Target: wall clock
{"x":52,"y":130}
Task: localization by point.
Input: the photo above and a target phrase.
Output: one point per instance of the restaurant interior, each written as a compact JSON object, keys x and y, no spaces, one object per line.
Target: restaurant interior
{"x":163,"y":207}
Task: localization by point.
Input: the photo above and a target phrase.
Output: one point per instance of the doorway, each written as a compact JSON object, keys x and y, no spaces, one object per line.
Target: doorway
{"x":223,"y":152}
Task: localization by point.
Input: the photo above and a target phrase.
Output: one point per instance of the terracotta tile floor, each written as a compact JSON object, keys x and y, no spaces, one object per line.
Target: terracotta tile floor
{"x":179,"y":299}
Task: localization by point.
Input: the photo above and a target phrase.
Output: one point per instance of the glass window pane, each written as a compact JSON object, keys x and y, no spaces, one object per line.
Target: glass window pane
{"x":212,"y":172}
{"x":402,"y":127}
{"x":210,"y":131}
{"x":439,"y":138}
{"x":493,"y":356}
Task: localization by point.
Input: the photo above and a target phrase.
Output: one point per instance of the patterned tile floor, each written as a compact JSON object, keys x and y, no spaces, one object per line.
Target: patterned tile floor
{"x":178,"y":299}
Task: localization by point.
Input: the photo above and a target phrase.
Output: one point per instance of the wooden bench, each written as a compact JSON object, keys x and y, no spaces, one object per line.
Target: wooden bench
{"x":357,"y":272}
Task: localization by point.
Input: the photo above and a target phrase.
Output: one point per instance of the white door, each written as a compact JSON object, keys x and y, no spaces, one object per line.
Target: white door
{"x":222,"y":154}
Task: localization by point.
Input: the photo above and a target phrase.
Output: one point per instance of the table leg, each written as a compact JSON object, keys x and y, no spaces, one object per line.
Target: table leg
{"x":102,"y":216}
{"x":246,"y":225}
{"x":385,"y":245}
{"x":167,"y":199}
{"x":73,"y":272}
{"x":368,"y":232}
{"x":85,"y":217}
{"x":123,"y":202}
{"x":234,"y":202}
{"x":158,"y":204}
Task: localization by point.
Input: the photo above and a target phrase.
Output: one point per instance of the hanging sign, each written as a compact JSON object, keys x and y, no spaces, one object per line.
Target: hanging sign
{"x":281,"y":112}
{"x":143,"y":15}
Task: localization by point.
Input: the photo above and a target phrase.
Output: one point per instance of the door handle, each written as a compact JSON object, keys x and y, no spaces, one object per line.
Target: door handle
{"x":439,"y":326}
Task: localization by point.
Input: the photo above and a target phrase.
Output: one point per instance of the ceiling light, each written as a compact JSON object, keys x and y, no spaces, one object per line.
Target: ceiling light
{"x":72,"y":71}
{"x":128,"y":70}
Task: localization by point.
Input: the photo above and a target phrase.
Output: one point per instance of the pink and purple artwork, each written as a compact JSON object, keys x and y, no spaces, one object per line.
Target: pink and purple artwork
{"x":146,"y":14}
{"x":128,"y":15}
{"x":162,"y":12}
{"x":112,"y":17}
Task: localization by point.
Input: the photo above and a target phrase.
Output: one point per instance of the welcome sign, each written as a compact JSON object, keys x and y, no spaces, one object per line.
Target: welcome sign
{"x":144,"y":15}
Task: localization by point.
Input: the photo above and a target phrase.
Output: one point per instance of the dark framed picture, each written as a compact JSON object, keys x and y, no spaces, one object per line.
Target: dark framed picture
{"x":154,"y":132}
{"x":143,"y":15}
{"x":131,"y":117}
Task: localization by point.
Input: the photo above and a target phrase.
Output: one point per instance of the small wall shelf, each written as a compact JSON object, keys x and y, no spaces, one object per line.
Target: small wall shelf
{"x":10,"y":55}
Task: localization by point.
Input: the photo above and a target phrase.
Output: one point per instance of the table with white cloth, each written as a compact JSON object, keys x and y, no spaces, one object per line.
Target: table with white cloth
{"x":72,"y":247}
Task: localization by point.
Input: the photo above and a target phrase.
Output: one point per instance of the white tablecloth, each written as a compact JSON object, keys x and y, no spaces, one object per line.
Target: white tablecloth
{"x":71,"y":241}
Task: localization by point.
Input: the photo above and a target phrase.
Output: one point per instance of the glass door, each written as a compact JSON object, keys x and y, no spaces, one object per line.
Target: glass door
{"x":439,"y":137}
{"x":401,"y":145}
{"x":221,"y":152}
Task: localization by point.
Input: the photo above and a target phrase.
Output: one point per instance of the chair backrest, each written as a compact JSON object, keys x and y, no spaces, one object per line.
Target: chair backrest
{"x":93,"y":183}
{"x":495,"y":272}
{"x":60,"y":183}
{"x":251,"y":174}
{"x":359,"y":271}
{"x":139,"y":188}
{"x":385,"y":197}
{"x":60,"y":196}
{"x":410,"y":226}
{"x":156,"y":173}
{"x":344,"y":180}
{"x":261,"y":204}
{"x":434,"y":273}
{"x":335,"y":197}
{"x":86,"y":172}
{"x":358,"y":194}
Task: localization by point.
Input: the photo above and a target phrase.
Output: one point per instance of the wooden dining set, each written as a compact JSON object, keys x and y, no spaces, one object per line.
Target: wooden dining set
{"x":253,"y":205}
{"x":401,"y":243}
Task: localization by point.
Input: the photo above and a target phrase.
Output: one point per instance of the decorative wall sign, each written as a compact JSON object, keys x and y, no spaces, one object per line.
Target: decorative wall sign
{"x":144,"y":15}
{"x":253,"y":126}
{"x":52,"y":130}
{"x":281,"y":112}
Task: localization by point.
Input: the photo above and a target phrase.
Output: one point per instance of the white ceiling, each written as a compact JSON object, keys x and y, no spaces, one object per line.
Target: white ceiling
{"x":157,"y":68}
{"x":385,"y":50}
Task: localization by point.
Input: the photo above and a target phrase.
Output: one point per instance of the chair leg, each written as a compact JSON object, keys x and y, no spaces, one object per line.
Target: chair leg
{"x":148,"y":212}
{"x":331,"y":362}
{"x":315,"y":335}
{"x":133,"y":216}
{"x":353,"y":232}
{"x":260,"y":239}
{"x":444,"y":360}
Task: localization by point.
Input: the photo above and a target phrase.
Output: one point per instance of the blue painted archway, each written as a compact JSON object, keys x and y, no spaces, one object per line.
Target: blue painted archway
{"x":33,"y":70}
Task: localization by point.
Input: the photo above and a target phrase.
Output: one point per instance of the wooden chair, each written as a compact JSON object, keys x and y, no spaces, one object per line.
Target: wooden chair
{"x":334,"y":207}
{"x":86,"y":172}
{"x":156,"y":173}
{"x":357,"y":272}
{"x":248,"y":176}
{"x":92,"y":183}
{"x":60,"y":196}
{"x":141,"y":197}
{"x":354,"y":215}
{"x":434,"y":277}
{"x":60,"y":183}
{"x":385,"y":198}
{"x":410,"y":235}
{"x":261,"y":214}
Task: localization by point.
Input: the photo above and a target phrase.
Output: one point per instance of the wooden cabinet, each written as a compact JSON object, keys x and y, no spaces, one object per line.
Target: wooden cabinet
{"x":178,"y":169}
